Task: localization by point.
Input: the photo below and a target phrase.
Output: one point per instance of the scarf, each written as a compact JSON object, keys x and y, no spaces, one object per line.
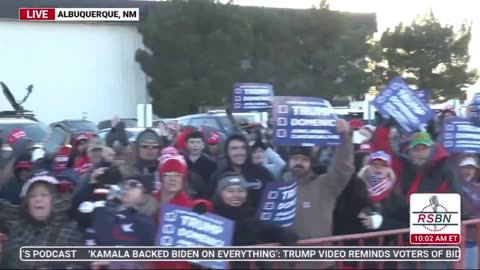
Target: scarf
{"x":379,"y":187}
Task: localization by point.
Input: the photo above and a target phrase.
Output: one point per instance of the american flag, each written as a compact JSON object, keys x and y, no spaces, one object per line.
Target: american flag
{"x":378,"y":185}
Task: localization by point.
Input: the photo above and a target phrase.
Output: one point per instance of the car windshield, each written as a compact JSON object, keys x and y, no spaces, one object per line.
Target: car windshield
{"x":76,"y":126}
{"x":227,"y":126}
{"x":130,"y":123}
{"x":37,"y":132}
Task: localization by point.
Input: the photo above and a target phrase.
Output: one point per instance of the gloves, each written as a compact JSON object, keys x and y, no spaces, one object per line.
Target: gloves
{"x":371,"y":221}
{"x":200,"y":208}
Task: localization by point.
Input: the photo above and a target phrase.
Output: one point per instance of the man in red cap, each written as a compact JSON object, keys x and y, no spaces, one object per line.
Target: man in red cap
{"x":22,"y":171}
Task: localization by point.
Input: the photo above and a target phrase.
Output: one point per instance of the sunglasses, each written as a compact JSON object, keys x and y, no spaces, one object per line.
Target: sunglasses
{"x":146,"y":146}
{"x":132,"y":184}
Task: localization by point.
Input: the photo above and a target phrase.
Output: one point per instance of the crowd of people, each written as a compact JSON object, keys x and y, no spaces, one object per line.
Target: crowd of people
{"x":82,"y":194}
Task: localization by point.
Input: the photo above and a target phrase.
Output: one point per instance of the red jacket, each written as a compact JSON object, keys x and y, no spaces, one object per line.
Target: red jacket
{"x":82,"y":164}
{"x":181,"y":199}
{"x":436,"y":177}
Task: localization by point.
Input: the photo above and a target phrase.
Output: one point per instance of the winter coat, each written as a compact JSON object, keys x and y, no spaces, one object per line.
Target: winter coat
{"x":203,"y":166}
{"x":114,"y":225}
{"x":251,"y":231}
{"x":317,"y":196}
{"x":11,"y":191}
{"x":24,"y":231}
{"x":437,"y":176}
{"x":352,"y":201}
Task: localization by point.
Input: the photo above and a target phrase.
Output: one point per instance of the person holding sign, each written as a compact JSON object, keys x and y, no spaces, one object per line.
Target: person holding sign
{"x":231,"y":202}
{"x":317,"y":194}
{"x":173,"y":175}
{"x":424,"y":168}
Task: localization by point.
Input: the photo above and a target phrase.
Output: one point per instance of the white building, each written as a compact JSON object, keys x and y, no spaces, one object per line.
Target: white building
{"x":75,"y":68}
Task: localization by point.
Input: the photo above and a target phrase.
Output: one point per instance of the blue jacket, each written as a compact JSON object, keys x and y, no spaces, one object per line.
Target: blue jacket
{"x":126,"y":227}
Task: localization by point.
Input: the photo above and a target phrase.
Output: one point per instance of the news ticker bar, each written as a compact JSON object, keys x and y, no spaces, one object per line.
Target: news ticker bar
{"x":240,"y":253}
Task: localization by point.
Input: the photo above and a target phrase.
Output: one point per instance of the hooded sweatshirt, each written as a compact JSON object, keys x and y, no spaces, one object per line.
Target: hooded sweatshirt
{"x":257,"y":176}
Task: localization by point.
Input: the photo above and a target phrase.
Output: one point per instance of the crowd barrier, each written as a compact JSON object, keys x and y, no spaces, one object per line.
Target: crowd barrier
{"x":400,"y":237}
{"x":391,"y":238}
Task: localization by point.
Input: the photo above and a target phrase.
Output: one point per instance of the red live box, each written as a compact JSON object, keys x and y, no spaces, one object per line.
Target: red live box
{"x":435,"y":238}
{"x":36,"y":14}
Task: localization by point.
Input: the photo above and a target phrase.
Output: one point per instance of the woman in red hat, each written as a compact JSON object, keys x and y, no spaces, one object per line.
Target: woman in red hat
{"x":173,"y":175}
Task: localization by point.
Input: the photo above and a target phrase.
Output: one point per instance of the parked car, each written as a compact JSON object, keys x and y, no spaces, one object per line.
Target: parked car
{"x":35,"y":130}
{"x":132,"y":133}
{"x":77,"y":126}
{"x":129,"y":123}
{"x":217,"y":120}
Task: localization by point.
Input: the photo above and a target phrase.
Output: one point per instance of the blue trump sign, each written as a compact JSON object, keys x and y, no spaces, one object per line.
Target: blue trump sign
{"x":179,"y":226}
{"x":250,"y":97}
{"x":474,"y":108}
{"x":401,"y":103}
{"x":278,"y":204}
{"x":305,"y":121}
{"x":460,"y":135}
{"x":423,"y":95}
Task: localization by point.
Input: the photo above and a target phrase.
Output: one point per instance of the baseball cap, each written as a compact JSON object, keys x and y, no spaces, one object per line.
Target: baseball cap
{"x":469,"y":161}
{"x":96,"y":143}
{"x":420,"y":138}
{"x":380,"y":155}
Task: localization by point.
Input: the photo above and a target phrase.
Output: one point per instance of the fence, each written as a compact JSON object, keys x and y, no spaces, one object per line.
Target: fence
{"x":391,"y":238}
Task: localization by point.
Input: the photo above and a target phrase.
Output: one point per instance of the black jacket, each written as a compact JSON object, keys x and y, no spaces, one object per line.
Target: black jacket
{"x":350,"y":203}
{"x":250,"y":231}
{"x":203,"y":166}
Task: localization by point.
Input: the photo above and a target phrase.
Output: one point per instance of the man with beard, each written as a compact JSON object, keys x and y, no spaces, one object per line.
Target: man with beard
{"x":239,"y":159}
{"x":317,"y":194}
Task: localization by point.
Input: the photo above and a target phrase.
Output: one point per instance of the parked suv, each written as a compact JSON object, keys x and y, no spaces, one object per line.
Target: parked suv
{"x":35,"y":130}
{"x":216,"y":120}
{"x":77,"y":126}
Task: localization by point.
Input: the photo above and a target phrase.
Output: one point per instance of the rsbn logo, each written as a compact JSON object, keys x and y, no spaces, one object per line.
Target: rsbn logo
{"x":431,"y":222}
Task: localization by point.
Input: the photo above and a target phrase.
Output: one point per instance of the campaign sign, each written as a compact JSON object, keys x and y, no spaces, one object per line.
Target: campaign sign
{"x":474,"y":109}
{"x":252,"y":97}
{"x":278,"y":203}
{"x":179,"y":226}
{"x":401,"y":103}
{"x":423,"y":95}
{"x":461,"y":135}
{"x":305,"y":121}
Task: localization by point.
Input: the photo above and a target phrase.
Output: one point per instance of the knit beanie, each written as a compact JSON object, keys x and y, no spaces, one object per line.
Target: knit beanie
{"x":40,"y":178}
{"x":173,"y":165}
{"x":301,"y":150}
{"x":166,"y":153}
{"x":145,"y":180}
{"x":229,"y":180}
